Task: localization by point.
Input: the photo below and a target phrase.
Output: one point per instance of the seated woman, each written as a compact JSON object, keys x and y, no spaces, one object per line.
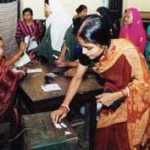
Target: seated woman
{"x":124,"y":118}
{"x":28,"y":28}
{"x":9,"y":78}
{"x":147,"y":49}
{"x":81,"y":12}
{"x":71,"y":50}
{"x":133,"y":28}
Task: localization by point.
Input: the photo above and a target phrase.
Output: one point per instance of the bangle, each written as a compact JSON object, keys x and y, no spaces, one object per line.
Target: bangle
{"x":65,"y":106}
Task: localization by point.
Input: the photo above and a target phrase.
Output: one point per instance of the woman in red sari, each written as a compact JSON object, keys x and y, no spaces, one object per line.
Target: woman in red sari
{"x":124,"y":117}
{"x":9,"y":78}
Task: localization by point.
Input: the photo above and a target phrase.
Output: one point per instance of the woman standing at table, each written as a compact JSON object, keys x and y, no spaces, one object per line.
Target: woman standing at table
{"x":124,"y":116}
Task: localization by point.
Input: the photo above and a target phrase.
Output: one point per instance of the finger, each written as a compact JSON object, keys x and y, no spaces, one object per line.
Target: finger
{"x":99,"y":96}
{"x":57,"y":118}
{"x":98,"y":101}
{"x":52,"y":117}
{"x":62,"y":117}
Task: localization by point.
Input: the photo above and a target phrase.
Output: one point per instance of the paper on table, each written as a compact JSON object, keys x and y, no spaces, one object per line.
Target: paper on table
{"x":36,"y":70}
{"x":25,"y":59}
{"x":50,"y":87}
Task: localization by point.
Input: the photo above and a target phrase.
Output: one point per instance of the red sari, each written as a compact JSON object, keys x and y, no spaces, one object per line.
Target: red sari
{"x":124,"y":128}
{"x":8,"y":86}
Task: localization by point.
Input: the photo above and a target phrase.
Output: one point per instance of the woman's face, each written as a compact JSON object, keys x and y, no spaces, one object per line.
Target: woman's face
{"x":83,"y":13}
{"x":128,"y":17}
{"x":1,"y":48}
{"x":27,"y":16}
{"x":90,"y":49}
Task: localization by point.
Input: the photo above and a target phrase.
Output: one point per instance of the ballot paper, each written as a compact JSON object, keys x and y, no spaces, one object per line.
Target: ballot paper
{"x":25,"y":59}
{"x":60,"y":125}
{"x":50,"y":87}
{"x":51,"y":74}
{"x":32,"y":44}
{"x":35,"y":70}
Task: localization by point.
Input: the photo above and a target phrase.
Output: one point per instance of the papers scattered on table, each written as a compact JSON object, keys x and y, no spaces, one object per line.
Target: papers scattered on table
{"x":51,"y":74}
{"x":25,"y":59}
{"x":67,"y":133}
{"x":36,"y":70}
{"x":50,"y":87}
{"x":60,"y":125}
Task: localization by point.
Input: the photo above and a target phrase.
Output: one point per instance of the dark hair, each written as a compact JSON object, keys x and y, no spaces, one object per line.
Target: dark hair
{"x":76,"y":24}
{"x":94,"y":29}
{"x":1,"y":39}
{"x":27,"y":10}
{"x":47,"y":1}
{"x":105,"y":14}
{"x":81,"y":8}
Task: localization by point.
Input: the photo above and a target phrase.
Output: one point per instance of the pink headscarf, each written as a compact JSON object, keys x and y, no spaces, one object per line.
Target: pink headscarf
{"x":135,"y":31}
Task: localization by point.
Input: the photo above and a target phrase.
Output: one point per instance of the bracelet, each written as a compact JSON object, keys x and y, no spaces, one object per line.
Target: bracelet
{"x":65,"y":106}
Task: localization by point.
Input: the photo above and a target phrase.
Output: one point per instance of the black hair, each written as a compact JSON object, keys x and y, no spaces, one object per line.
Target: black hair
{"x":1,"y":39}
{"x":28,"y":10}
{"x":105,"y":14}
{"x":77,"y":23}
{"x":47,"y":1}
{"x":94,"y":29}
{"x":81,"y":8}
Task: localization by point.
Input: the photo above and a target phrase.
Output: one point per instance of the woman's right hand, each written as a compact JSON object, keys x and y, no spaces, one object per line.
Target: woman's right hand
{"x":59,"y":114}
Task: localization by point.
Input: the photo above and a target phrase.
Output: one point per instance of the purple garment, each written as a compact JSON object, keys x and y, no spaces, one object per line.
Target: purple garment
{"x":135,"y":31}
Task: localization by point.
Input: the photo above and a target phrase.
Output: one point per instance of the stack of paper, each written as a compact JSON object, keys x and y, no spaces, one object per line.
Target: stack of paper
{"x":36,"y":70}
{"x":50,"y":87}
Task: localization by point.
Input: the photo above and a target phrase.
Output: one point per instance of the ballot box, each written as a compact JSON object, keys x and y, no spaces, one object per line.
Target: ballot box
{"x":42,"y":134}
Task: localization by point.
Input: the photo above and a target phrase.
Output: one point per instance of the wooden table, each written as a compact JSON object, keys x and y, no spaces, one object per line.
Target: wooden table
{"x":36,"y":100}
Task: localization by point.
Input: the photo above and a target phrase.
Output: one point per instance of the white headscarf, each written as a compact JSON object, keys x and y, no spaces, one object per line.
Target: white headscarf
{"x":59,"y":21}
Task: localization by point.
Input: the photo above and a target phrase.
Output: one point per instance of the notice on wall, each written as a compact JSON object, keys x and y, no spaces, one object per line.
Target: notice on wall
{"x":36,"y":5}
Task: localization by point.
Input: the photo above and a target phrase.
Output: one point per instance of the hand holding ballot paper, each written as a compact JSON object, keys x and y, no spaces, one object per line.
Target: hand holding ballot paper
{"x":25,"y":59}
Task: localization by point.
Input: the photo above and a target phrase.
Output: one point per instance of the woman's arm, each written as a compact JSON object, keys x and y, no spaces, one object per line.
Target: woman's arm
{"x":59,"y":114}
{"x":63,"y":52}
{"x":16,"y":56}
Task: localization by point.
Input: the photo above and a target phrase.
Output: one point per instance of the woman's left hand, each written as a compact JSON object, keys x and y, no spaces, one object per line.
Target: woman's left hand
{"x":17,"y":71}
{"x":107,"y":98}
{"x":23,"y":46}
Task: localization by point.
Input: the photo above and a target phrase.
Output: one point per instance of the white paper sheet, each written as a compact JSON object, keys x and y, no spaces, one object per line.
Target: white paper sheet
{"x":50,"y":87}
{"x":25,"y":59}
{"x":35,"y":70}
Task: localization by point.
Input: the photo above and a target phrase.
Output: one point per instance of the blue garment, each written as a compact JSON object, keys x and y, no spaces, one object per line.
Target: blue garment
{"x":77,"y":51}
{"x":147,"y":50}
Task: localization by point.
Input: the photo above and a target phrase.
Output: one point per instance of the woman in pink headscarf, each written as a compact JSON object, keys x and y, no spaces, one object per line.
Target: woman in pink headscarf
{"x":133,"y":29}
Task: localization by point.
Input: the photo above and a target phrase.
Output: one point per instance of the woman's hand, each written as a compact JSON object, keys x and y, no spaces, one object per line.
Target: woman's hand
{"x":19,"y":72}
{"x":108,"y":98}
{"x":70,"y":72}
{"x":59,"y":114}
{"x":22,"y":46}
{"x":61,"y":63}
